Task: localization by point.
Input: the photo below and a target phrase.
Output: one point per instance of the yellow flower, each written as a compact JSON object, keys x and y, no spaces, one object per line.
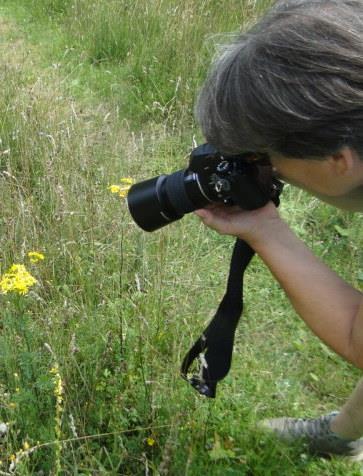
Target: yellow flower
{"x":127,"y":180}
{"x":150,"y":441}
{"x":35,"y":256}
{"x":26,"y":445}
{"x":17,"y":279}
{"x":123,"y":189}
{"x":123,"y":192}
{"x":114,"y":188}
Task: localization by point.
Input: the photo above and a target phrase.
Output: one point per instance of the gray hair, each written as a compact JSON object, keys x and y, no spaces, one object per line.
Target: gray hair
{"x":291,"y":85}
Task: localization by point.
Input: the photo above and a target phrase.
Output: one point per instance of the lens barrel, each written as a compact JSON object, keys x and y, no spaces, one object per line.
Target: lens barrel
{"x":161,"y":200}
{"x":146,"y":205}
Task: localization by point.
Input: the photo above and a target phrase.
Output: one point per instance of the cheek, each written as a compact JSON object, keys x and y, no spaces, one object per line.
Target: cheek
{"x":290,"y":172}
{"x":301,"y":174}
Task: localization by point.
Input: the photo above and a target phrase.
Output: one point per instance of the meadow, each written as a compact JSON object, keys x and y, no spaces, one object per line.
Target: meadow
{"x":92,"y":92}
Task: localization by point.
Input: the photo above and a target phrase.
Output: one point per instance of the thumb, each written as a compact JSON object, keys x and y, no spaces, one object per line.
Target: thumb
{"x":209,"y":218}
{"x":202,"y":213}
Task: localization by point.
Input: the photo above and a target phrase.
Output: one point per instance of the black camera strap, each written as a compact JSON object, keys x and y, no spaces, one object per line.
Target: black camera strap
{"x":215,"y":346}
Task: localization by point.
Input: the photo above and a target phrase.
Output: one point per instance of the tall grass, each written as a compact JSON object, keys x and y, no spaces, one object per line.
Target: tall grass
{"x":115,"y":309}
{"x":150,"y":56}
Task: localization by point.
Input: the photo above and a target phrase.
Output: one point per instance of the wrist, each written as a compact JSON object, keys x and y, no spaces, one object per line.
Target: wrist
{"x":265,"y":231}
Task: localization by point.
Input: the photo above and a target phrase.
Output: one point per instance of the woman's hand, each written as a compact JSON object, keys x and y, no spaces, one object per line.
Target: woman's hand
{"x":250,"y":226}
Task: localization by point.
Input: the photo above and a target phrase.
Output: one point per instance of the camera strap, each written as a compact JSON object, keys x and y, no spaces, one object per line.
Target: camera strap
{"x":215,"y":346}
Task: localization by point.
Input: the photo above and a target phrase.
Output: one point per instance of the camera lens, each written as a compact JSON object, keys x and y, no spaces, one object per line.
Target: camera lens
{"x":145,"y":202}
{"x":161,"y":200}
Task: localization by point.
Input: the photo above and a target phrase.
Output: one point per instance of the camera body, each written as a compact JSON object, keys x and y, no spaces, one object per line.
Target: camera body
{"x":244,"y":180}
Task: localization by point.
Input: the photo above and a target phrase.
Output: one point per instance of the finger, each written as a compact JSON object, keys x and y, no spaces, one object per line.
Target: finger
{"x":212,"y":220}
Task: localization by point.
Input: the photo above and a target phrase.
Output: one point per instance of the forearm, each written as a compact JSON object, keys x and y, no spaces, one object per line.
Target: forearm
{"x":328,"y":305}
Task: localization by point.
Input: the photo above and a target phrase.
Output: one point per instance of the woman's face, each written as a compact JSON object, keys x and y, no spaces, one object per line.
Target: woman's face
{"x":337,"y":180}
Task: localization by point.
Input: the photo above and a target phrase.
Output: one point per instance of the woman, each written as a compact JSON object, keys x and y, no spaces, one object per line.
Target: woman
{"x":292,"y":86}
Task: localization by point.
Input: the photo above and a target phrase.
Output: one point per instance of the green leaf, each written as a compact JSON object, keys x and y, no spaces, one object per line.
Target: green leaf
{"x":314,"y":377}
{"x":342,"y":231}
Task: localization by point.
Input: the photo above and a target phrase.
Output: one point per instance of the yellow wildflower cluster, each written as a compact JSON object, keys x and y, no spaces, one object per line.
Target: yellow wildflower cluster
{"x":58,"y":393}
{"x":17,"y":279}
{"x":35,"y":256}
{"x":58,"y":385}
{"x":123,"y":189}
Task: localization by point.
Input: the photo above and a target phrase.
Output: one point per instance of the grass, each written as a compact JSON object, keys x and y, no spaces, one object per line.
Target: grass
{"x":89,"y":374}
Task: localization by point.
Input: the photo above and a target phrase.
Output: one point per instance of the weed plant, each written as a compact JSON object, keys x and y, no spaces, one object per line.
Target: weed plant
{"x":89,"y":358}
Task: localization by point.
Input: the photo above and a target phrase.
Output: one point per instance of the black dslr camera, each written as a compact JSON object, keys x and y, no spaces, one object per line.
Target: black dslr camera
{"x":245,"y":180}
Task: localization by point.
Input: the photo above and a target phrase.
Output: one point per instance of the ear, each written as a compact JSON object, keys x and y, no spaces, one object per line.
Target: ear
{"x":343,"y":162}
